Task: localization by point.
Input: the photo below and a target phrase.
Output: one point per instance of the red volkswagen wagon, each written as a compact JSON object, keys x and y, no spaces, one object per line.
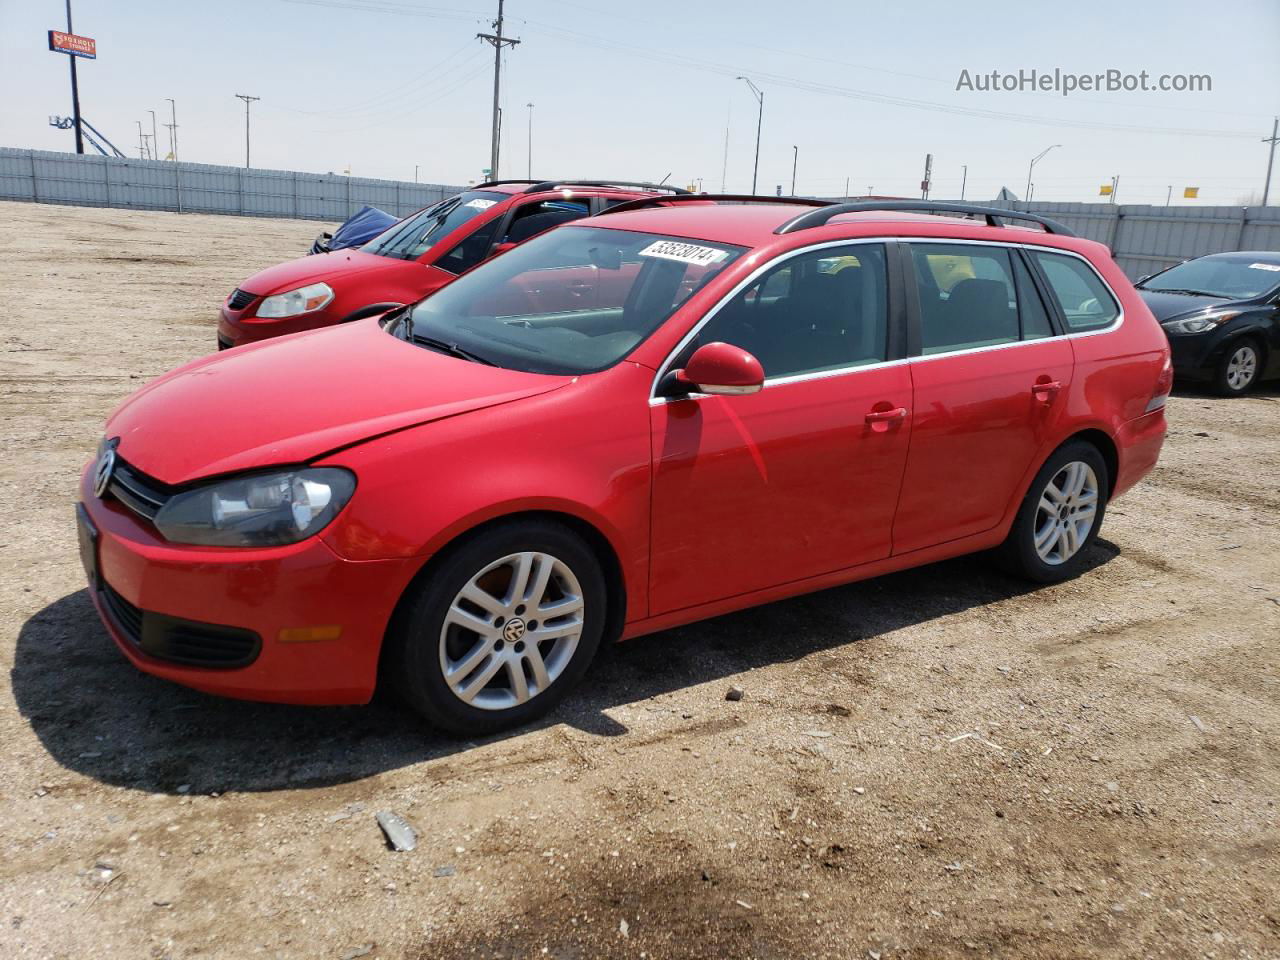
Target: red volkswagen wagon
{"x":759,"y":399}
{"x":413,"y":258}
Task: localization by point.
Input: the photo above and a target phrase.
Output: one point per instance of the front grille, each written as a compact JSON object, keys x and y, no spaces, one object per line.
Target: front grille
{"x":141,"y":494}
{"x":240,"y":299}
{"x":187,"y":642}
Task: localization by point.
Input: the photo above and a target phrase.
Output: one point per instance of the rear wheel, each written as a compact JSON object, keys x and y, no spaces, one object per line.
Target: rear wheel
{"x":1060,"y":516}
{"x":498,"y":632}
{"x":1239,"y":368}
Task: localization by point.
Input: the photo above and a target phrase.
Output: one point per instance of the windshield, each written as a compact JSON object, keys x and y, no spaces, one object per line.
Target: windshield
{"x":1235,"y":278}
{"x":573,"y":300}
{"x":414,"y":236}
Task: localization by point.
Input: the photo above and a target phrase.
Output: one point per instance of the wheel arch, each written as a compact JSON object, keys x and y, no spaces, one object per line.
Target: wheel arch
{"x":597,"y":542}
{"x":1104,"y":444}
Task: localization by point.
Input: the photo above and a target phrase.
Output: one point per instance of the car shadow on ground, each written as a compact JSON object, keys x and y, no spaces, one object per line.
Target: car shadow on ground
{"x":100,"y":717}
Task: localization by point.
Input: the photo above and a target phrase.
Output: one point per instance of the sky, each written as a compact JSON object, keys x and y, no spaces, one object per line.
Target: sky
{"x":854,"y":92}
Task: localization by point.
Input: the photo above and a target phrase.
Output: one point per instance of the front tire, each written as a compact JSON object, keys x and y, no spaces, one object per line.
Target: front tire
{"x":497,"y":632}
{"x":1060,"y":516}
{"x":1239,"y":368}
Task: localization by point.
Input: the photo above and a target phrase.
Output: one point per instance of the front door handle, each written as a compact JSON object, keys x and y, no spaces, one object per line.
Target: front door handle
{"x":883,"y":416}
{"x":1046,"y":390}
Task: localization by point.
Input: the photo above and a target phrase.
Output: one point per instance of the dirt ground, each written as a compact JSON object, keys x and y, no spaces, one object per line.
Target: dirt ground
{"x":940,"y":763}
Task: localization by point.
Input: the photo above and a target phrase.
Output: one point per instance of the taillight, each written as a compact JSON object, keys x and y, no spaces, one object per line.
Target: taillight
{"x":1164,"y":384}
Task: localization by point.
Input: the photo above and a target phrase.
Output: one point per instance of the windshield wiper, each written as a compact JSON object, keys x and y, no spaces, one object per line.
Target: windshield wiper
{"x":445,"y":347}
{"x":1189,"y":293}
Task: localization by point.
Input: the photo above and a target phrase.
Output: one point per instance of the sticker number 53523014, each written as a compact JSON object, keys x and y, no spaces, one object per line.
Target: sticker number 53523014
{"x":684,"y":252}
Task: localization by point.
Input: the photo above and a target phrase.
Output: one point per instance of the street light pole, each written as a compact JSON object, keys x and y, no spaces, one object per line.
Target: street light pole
{"x":964,"y":178}
{"x":142,"y":147}
{"x":795,"y":160}
{"x":247,"y":100}
{"x":759,"y":95}
{"x":1034,"y":160}
{"x":155,"y":141}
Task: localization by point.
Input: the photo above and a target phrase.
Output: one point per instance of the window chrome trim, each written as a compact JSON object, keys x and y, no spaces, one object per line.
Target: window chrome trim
{"x":664,"y":367}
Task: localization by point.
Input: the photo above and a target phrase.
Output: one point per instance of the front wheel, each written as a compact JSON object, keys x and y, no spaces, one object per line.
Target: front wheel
{"x":498,"y":632}
{"x":1060,"y":516}
{"x":1238,"y":369}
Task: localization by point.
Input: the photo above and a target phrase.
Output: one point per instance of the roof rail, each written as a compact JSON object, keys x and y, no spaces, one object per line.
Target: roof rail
{"x":553,"y":184}
{"x":641,"y":202}
{"x":500,"y":183}
{"x":994,"y":215}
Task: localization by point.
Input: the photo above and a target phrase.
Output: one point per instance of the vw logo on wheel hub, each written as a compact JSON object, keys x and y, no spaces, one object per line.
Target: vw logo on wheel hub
{"x":102,"y":471}
{"x":514,"y":630}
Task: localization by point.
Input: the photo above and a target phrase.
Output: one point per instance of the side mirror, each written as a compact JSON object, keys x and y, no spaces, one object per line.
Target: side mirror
{"x":717,"y":368}
{"x":502,"y":248}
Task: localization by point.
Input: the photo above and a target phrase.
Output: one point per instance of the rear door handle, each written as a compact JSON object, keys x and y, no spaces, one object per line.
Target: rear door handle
{"x":1046,"y":390}
{"x":882,"y":416}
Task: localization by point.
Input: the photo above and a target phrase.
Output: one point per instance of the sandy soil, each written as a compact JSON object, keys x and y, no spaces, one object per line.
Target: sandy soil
{"x":941,"y":763}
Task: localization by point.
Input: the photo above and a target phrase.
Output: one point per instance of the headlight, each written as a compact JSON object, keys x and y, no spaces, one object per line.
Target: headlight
{"x":260,"y":510}
{"x":1200,"y":323}
{"x":303,"y":300}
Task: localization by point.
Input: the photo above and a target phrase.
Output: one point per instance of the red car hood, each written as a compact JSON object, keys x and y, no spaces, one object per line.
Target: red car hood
{"x":291,"y":399}
{"x":323,"y":266}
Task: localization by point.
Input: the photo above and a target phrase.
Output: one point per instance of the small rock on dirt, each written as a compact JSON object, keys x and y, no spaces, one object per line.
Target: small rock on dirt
{"x":444,"y":872}
{"x":624,"y":929}
{"x":356,"y":952}
{"x":399,"y":834}
{"x":734,"y":694}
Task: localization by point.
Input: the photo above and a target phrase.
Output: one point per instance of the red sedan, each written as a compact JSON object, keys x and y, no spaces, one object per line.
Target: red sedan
{"x":412,"y":259}
{"x":752,"y":401}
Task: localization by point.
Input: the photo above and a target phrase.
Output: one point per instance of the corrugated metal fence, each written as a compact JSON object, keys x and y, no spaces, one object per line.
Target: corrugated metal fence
{"x":49,"y":177}
{"x":1145,"y":239}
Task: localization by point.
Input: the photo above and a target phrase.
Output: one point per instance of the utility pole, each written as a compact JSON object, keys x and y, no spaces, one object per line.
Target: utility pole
{"x":75,"y":90}
{"x":498,"y":41}
{"x":530,"y":170}
{"x":846,"y":188}
{"x":247,"y":100}
{"x":1271,"y":157}
{"x":142,"y":147}
{"x":928,"y":172}
{"x":964,"y":178}
{"x":1168,"y":197}
{"x":795,"y":160}
{"x":724,"y":164}
{"x":155,"y":141}
{"x":173,"y":129}
{"x":1115,"y":188}
{"x":415,"y":173}
{"x":759,"y":95}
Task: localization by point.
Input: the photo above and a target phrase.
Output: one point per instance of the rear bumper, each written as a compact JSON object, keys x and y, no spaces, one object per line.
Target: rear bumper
{"x":304,"y":585}
{"x":1138,"y":445}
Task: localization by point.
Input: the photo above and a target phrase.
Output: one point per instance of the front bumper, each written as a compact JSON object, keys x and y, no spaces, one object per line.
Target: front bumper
{"x":235,"y":331}
{"x":1195,"y":356}
{"x":266,"y":592}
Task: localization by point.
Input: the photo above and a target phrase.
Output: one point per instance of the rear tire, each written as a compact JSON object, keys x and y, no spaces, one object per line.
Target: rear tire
{"x":500,"y":629}
{"x":1239,"y":368}
{"x":1060,"y":516}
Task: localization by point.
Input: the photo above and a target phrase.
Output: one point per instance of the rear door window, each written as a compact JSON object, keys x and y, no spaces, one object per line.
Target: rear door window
{"x":968,"y":297}
{"x":1085,"y":301}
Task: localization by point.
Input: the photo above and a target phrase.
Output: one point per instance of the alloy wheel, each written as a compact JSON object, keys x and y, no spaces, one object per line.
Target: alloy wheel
{"x":511,"y":631}
{"x":1066,"y":513}
{"x":1242,"y":367}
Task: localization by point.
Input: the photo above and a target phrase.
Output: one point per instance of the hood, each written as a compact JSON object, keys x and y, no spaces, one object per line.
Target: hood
{"x":291,"y":399}
{"x":1166,"y":306}
{"x":322,"y":266}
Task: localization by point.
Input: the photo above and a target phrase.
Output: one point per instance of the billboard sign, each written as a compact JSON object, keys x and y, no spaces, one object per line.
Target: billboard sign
{"x":76,"y":46}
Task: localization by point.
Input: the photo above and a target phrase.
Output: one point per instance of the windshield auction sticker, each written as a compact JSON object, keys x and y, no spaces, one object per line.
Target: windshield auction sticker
{"x":1273,"y":267}
{"x":684,"y":252}
{"x":480,"y":203}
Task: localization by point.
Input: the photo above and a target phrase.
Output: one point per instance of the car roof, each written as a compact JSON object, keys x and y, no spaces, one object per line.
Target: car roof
{"x":1261,"y":256}
{"x":754,"y":224}
{"x":567,"y":187}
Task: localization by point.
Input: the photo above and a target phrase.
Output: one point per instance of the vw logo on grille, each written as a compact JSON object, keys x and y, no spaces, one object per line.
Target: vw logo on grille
{"x":102,"y":471}
{"x":514,"y":630}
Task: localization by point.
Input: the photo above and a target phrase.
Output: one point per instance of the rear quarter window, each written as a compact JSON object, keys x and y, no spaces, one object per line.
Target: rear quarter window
{"x":1086,"y":302}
